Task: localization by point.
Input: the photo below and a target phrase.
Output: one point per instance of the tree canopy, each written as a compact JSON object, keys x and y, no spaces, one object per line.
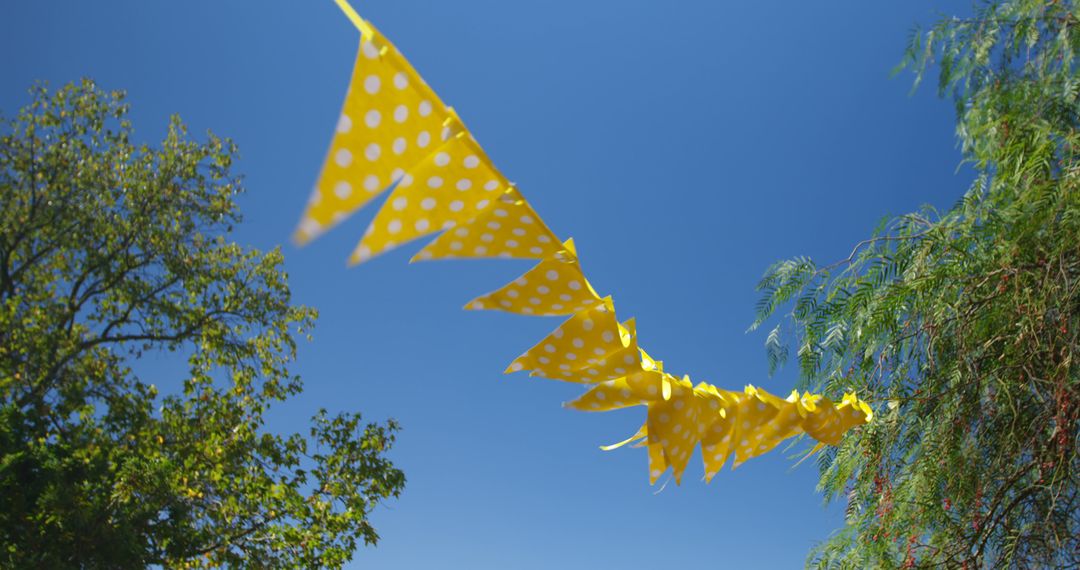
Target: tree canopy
{"x":109,"y":250}
{"x":962,"y":325}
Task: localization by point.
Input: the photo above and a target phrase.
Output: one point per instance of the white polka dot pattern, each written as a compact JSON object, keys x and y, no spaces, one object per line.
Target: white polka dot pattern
{"x":431,"y":197}
{"x":508,"y":229}
{"x":378,"y":122}
{"x":556,"y":286}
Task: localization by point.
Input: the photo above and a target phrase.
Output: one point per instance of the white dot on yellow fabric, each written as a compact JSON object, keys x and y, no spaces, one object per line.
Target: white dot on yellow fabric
{"x":342,"y":189}
{"x":372,"y":119}
{"x":372,"y":83}
{"x":344,"y":124}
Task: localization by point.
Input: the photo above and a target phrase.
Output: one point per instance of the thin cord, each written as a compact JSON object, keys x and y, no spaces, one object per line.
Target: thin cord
{"x":365,"y":29}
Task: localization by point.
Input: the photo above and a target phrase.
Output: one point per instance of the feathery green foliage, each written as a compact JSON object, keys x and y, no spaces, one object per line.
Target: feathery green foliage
{"x":961,"y":327}
{"x":109,"y":250}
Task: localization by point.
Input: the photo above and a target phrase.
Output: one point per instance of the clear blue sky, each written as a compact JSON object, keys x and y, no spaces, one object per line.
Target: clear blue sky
{"x":685,"y":146}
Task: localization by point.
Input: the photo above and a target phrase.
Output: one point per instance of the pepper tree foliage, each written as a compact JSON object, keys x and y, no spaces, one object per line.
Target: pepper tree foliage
{"x":961,"y":326}
{"x":110,"y":250}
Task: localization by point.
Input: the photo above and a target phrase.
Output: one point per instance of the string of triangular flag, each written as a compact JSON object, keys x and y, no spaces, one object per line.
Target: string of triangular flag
{"x":395,"y":134}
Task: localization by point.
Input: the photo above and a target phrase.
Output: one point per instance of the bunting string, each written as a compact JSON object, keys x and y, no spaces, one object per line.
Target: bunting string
{"x":395,"y":134}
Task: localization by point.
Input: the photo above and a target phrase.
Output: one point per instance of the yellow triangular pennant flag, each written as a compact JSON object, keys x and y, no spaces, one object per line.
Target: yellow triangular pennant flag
{"x":673,"y":424}
{"x":391,"y":120}
{"x":626,"y":359}
{"x":822,"y":420}
{"x":451,"y":186}
{"x":649,"y":384}
{"x":509,"y":229}
{"x":556,"y":286}
{"x":749,"y":416}
{"x":580,"y":341}
{"x":761,"y":421}
{"x":715,"y":426}
{"x":606,"y":396}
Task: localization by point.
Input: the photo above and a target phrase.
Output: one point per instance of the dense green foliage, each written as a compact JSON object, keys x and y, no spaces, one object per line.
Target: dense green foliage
{"x":109,"y":250}
{"x":961,"y":327}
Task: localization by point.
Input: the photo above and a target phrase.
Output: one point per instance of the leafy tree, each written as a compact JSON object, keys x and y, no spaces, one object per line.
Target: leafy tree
{"x":961,"y":325}
{"x":109,"y":250}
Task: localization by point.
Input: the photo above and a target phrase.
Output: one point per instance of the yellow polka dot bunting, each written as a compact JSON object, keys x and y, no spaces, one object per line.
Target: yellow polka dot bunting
{"x":510,"y":228}
{"x":451,"y":186}
{"x":394,"y":132}
{"x":743,"y":424}
{"x":391,"y":120}
{"x":556,"y":286}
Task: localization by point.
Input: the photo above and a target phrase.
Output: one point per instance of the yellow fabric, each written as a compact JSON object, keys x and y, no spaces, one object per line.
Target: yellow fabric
{"x":641,"y":433}
{"x":651,"y":384}
{"x":622,"y":361}
{"x":787,"y":421}
{"x":752,"y":414}
{"x":609,"y":395}
{"x":716,"y":426}
{"x":724,"y":423}
{"x":556,"y":286}
{"x":580,"y":342}
{"x":391,"y":120}
{"x":674,"y":424}
{"x":449,"y":187}
{"x":508,"y":229}
{"x":395,"y":132}
{"x":657,"y":463}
